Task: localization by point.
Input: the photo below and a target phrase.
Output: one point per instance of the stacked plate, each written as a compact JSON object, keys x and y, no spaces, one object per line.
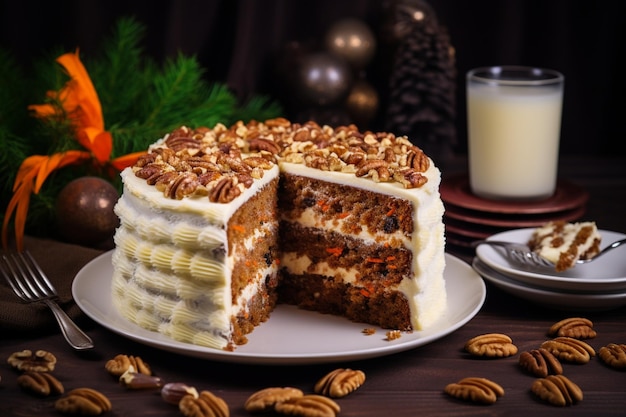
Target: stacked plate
{"x":469,"y":217}
{"x":598,"y":285}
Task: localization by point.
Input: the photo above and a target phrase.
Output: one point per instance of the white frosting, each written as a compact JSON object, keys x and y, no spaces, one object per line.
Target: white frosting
{"x":172,"y":266}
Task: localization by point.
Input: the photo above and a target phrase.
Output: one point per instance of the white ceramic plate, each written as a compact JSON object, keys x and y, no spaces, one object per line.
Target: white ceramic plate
{"x":553,"y":299}
{"x":291,"y":335}
{"x":605,"y":274}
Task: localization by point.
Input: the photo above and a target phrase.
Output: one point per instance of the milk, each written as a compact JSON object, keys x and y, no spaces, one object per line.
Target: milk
{"x":513,"y":136}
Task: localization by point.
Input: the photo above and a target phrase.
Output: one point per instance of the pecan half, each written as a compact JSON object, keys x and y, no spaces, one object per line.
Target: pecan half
{"x":123,"y":363}
{"x":491,"y":345}
{"x":27,"y":360}
{"x":557,"y":390}
{"x":173,"y":392}
{"x":339,"y":382}
{"x":205,"y":405}
{"x":569,"y":349}
{"x":224,"y":191}
{"x":136,"y":380}
{"x":40,"y":383}
{"x":475,"y":389}
{"x":576,"y":327}
{"x":540,"y":362}
{"x":266,"y":399}
{"x":83,"y":402}
{"x":613,"y":355}
{"x":309,"y":406}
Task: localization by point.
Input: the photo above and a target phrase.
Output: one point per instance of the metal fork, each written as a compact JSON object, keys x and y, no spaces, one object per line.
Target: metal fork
{"x":30,"y":283}
{"x":522,"y":254}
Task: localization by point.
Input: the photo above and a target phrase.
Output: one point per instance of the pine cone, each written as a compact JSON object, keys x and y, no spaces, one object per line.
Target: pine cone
{"x":422,"y":86}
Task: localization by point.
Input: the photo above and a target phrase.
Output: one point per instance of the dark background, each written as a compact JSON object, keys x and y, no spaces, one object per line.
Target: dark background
{"x":240,"y":41}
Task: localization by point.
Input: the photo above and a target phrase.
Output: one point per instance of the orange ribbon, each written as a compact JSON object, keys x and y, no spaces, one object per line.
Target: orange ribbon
{"x":80,"y":101}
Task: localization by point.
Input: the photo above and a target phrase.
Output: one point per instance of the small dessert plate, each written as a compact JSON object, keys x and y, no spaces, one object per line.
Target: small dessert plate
{"x":606,"y":274}
{"x":559,"y":300}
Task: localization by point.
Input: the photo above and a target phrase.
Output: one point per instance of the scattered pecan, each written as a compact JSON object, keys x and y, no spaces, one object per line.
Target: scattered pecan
{"x":225,"y":190}
{"x":393,"y":335}
{"x":123,"y":363}
{"x":38,"y":361}
{"x":492,"y":345}
{"x":369,"y":331}
{"x":475,"y":389}
{"x":576,"y":327}
{"x":309,"y":406}
{"x":374,"y":168}
{"x":569,"y":349}
{"x":173,"y":392}
{"x":266,"y":399}
{"x":134,"y":380}
{"x":40,"y":383}
{"x":557,"y":390}
{"x":205,"y":405}
{"x":540,"y":362}
{"x":613,"y":355}
{"x":263,"y":144}
{"x":340,"y":382}
{"x":418,"y":160}
{"x":83,"y":402}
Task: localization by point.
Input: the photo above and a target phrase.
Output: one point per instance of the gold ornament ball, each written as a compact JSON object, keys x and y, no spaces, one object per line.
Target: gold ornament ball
{"x":362,"y":103}
{"x":353,"y":40}
{"x":84,"y":211}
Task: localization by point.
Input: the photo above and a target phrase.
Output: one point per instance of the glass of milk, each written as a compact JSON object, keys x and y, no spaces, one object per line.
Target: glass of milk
{"x":514,"y":125}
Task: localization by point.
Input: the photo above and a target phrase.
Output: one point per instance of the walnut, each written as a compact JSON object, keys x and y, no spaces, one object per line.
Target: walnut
{"x":123,"y":363}
{"x":368,"y":331}
{"x":309,"y":406}
{"x":569,"y":349}
{"x":26,"y":360}
{"x":492,"y":345}
{"x":83,"y":402}
{"x":540,"y":362}
{"x":557,"y":390}
{"x":40,"y":383}
{"x":173,"y":392}
{"x":613,"y":355}
{"x":475,"y":389}
{"x":340,"y":382}
{"x":205,"y":405}
{"x":266,"y":399}
{"x":576,"y":327}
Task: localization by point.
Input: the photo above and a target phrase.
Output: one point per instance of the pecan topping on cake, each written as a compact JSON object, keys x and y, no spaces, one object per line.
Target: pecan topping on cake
{"x":182,"y":163}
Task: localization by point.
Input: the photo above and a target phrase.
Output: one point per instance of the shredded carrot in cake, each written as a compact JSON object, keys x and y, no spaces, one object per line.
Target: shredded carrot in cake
{"x":391,"y":212}
{"x":239,"y":228}
{"x":335,"y":251}
{"x":343,"y":215}
{"x":375,"y":260}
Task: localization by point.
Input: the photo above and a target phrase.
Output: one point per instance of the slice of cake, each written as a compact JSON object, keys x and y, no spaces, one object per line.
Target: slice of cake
{"x":565,"y":243}
{"x":218,"y":225}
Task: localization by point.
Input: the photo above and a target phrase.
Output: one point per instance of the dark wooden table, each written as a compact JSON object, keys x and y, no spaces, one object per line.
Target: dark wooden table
{"x":404,"y":384}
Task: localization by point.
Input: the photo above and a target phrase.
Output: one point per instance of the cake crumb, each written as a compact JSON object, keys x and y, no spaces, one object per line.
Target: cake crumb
{"x":393,"y":335}
{"x":368,"y":331}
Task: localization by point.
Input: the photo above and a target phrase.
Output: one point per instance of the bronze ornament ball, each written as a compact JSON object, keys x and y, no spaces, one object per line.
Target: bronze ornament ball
{"x":324,"y":79}
{"x":353,"y":40}
{"x":362,"y":103}
{"x":84,"y":211}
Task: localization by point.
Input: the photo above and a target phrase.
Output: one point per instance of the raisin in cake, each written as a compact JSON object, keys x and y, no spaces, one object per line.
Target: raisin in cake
{"x":564,"y":243}
{"x":219,"y":225}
